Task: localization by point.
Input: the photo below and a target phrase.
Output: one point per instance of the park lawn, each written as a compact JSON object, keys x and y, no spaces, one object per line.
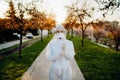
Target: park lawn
{"x":12,"y":68}
{"x":96,"y":62}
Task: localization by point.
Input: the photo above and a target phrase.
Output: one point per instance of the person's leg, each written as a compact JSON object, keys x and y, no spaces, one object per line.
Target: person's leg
{"x":67,"y":75}
{"x":53,"y":74}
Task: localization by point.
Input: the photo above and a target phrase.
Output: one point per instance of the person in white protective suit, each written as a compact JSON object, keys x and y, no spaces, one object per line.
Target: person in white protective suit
{"x":60,"y":51}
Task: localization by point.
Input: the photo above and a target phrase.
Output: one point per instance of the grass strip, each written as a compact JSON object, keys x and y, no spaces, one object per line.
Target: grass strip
{"x":96,"y":62}
{"x":12,"y":68}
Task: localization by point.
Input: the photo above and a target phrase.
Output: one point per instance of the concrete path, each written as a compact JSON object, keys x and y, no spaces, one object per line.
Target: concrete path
{"x":11,"y":43}
{"x":39,"y":69}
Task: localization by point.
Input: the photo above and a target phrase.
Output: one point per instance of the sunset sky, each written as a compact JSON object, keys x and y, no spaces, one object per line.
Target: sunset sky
{"x":57,"y":7}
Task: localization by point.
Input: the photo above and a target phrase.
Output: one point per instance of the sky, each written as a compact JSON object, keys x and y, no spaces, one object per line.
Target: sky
{"x":3,"y":7}
{"x":57,"y":7}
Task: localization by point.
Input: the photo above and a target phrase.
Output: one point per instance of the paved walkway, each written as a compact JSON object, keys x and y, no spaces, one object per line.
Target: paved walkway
{"x":39,"y":69}
{"x":11,"y":43}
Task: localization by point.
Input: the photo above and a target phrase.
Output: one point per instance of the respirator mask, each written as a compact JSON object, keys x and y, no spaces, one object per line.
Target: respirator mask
{"x":60,"y":35}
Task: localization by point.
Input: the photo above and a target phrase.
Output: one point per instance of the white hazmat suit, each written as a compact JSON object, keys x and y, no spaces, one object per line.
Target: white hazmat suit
{"x":60,"y":51}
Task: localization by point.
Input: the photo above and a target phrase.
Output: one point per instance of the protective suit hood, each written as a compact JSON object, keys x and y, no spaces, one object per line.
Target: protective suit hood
{"x":60,"y":33}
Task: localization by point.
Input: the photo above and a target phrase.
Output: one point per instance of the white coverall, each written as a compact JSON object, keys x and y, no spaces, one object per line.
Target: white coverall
{"x":60,"y":68}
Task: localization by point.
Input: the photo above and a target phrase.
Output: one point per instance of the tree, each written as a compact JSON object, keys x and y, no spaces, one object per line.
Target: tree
{"x":41,"y":23}
{"x":3,"y":28}
{"x":80,"y":15}
{"x":17,"y":22}
{"x":66,"y":26}
{"x":38,"y":20}
{"x":70,"y":22}
{"x":114,"y":29}
{"x":98,"y":29}
{"x":108,"y":6}
{"x":6,"y":30}
{"x":50,"y":23}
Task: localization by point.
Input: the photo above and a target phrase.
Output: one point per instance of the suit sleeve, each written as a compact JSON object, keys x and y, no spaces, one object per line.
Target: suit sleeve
{"x":51,"y":55}
{"x":70,"y":52}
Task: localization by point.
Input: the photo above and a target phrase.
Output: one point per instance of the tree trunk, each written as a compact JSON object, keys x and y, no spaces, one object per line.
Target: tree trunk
{"x":41,"y":35}
{"x":68,"y":32}
{"x":71,"y":33}
{"x":82,"y":44}
{"x":20,"y":47}
{"x":48,"y":33}
{"x":96,"y":40}
{"x":117,"y":41}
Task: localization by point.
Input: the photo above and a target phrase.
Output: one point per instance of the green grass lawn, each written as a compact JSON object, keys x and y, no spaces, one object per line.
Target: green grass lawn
{"x":95,"y":62}
{"x":12,"y":68}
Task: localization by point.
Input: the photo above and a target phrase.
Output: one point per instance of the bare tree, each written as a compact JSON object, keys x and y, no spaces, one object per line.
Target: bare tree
{"x":38,"y":20}
{"x":80,"y":14}
{"x":17,"y":22}
{"x":108,"y":6}
{"x":114,"y":28}
{"x":98,"y":29}
{"x":70,"y":22}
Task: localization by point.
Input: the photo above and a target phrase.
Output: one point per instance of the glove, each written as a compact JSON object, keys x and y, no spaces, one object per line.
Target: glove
{"x":63,"y":46}
{"x":63,"y":50}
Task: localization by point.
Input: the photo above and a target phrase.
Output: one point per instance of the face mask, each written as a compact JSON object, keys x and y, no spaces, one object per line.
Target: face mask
{"x":61,"y":36}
